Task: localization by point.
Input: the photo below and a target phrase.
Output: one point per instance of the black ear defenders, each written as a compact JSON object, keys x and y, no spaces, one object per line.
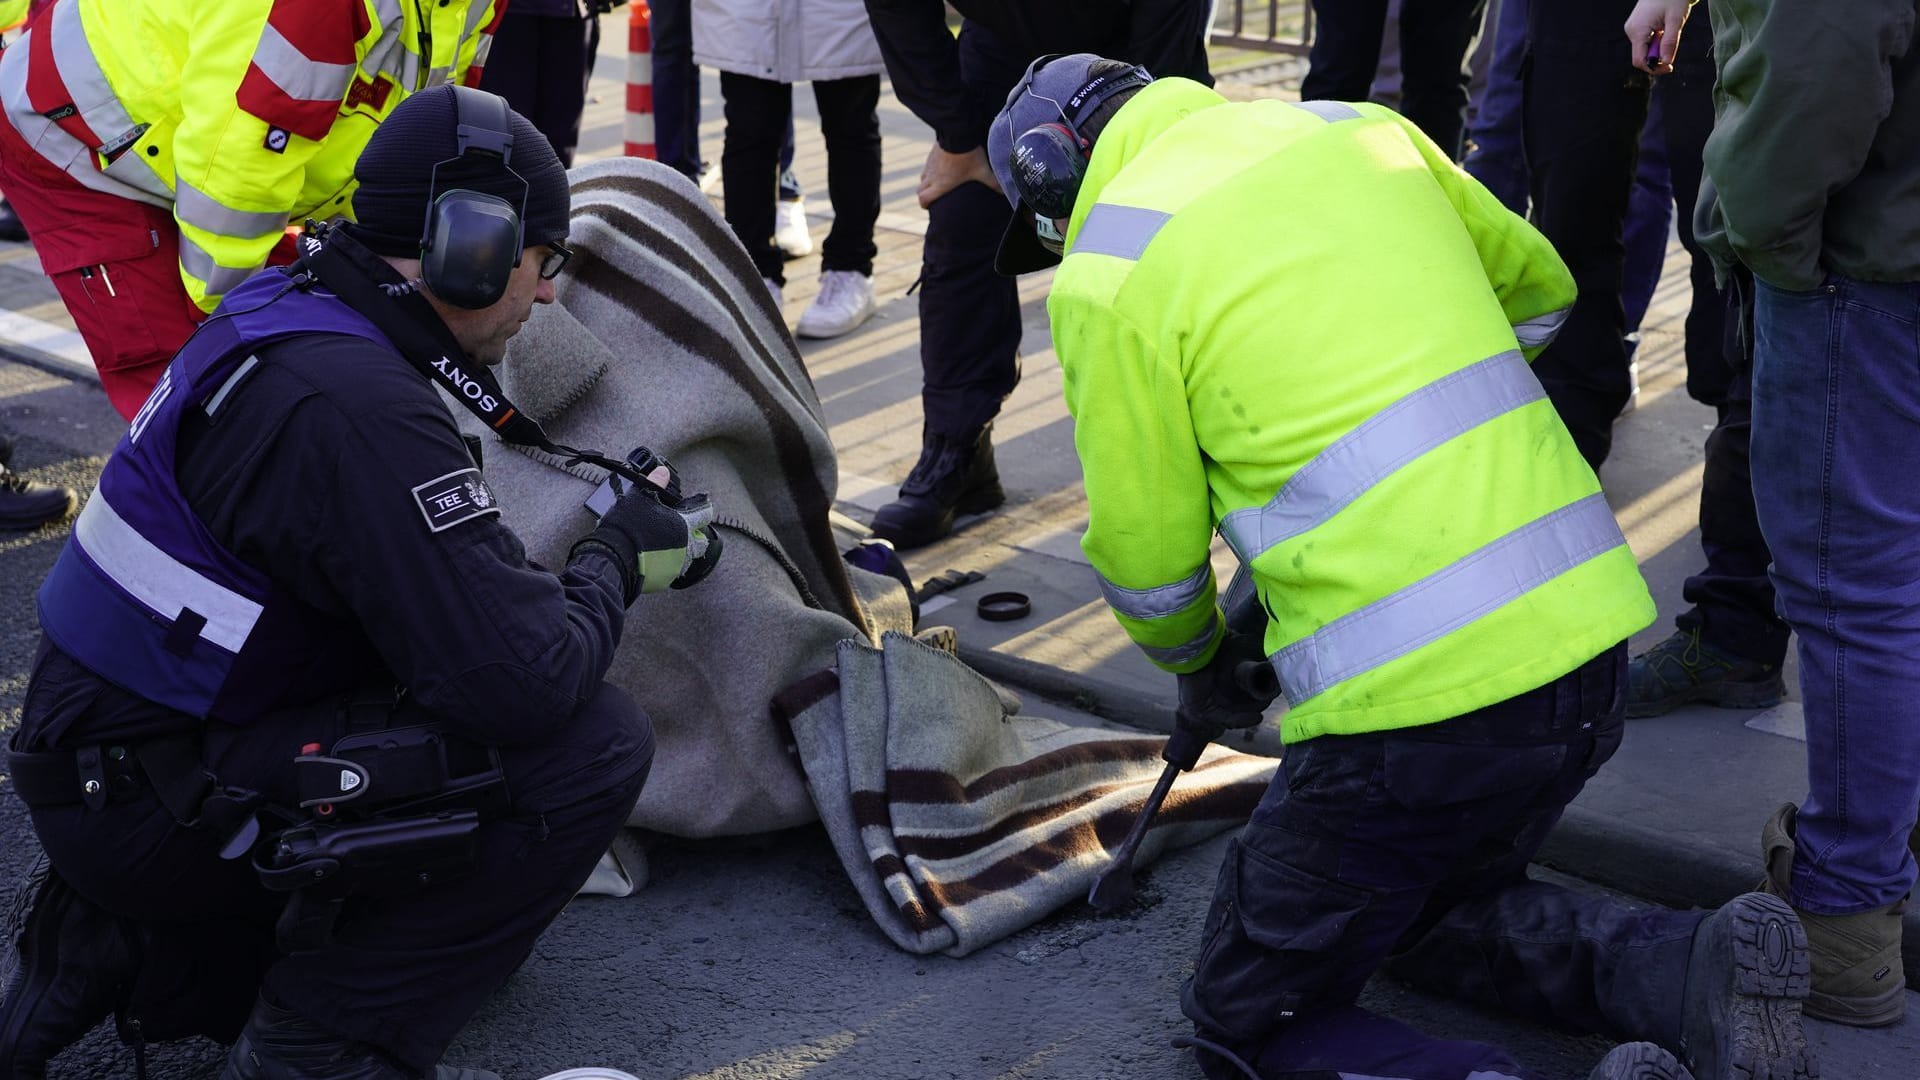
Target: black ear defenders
{"x":472,"y":240}
{"x":1050,"y":159}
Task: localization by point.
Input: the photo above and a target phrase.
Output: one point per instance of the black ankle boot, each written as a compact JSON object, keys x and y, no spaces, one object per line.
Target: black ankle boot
{"x":67,"y":965}
{"x":279,"y":1044}
{"x":953,"y":476}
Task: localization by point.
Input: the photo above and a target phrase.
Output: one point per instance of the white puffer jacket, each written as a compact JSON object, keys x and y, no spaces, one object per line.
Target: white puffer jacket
{"x":787,"y":41}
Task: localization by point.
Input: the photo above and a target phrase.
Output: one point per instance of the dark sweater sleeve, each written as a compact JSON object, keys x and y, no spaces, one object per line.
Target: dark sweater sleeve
{"x":338,"y":508}
{"x":923,"y":63}
{"x":1168,"y":37}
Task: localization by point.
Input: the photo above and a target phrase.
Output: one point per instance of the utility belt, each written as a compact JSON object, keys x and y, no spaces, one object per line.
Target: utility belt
{"x":390,"y":808}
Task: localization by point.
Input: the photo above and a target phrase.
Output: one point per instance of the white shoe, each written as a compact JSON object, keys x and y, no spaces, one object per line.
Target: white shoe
{"x":790,"y":228}
{"x":845,"y":301}
{"x":779,"y":294}
{"x":709,"y":177}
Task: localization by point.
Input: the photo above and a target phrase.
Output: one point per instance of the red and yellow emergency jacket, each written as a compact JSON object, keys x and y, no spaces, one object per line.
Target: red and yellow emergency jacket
{"x":240,"y":115}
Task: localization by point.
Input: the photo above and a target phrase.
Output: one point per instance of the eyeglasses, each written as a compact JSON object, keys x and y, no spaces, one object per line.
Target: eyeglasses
{"x":556,"y":257}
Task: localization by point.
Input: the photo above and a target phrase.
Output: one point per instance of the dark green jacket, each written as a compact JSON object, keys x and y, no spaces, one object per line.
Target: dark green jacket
{"x":1815,"y":151}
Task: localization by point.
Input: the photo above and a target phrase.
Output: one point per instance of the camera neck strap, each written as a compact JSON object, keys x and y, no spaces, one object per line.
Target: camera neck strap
{"x":332,"y":258}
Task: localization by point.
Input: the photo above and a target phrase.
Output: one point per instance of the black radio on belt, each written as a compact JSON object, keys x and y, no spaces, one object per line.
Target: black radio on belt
{"x":398,"y":770}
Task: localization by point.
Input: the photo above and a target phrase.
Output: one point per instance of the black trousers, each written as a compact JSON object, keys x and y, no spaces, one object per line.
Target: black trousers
{"x":541,"y":64}
{"x":403,"y":973}
{"x":1435,"y":37}
{"x":1732,"y":596}
{"x":757,"y":112}
{"x":1585,"y":106}
{"x":1412,"y":846}
{"x":969,"y":315}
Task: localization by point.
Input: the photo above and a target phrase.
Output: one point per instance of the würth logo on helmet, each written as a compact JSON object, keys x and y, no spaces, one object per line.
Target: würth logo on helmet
{"x":276,"y":140}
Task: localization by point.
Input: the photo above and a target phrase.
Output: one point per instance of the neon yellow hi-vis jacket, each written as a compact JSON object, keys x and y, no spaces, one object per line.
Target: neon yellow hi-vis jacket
{"x":12,"y":13}
{"x":242,"y":115}
{"x":1301,"y":323}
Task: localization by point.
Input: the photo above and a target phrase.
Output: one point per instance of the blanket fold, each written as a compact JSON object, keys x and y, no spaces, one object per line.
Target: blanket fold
{"x":960,"y":822}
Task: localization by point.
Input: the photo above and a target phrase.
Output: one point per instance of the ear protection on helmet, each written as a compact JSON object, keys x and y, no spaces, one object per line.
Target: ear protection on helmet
{"x":1050,"y":159}
{"x":473,"y":240}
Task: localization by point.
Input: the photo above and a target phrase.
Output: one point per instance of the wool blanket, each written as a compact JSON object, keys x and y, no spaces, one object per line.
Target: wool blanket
{"x":786,"y":687}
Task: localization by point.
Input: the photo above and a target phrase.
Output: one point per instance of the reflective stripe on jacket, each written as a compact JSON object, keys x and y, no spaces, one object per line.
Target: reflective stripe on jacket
{"x":243,"y":116}
{"x":142,"y":594}
{"x":1300,"y":322}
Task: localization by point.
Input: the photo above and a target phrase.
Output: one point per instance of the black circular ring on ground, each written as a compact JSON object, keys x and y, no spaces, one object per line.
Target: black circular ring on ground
{"x":1003,"y":606}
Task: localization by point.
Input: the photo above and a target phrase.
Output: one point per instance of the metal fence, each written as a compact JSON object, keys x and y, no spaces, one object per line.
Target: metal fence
{"x":1286,"y":26}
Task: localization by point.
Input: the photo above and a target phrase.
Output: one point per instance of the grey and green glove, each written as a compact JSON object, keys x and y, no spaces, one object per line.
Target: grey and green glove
{"x":659,"y":540}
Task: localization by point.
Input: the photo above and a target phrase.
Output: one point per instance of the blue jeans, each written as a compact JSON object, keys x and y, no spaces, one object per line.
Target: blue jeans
{"x":1836,"y":448}
{"x":1412,"y":846}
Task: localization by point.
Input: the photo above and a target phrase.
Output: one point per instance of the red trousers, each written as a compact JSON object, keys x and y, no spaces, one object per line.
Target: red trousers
{"x":116,"y":263}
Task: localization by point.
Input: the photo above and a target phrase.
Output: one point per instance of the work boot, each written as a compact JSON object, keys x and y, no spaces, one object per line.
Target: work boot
{"x":1683,"y":668}
{"x":66,"y":965}
{"x":1639,"y":1061}
{"x":1746,"y":977}
{"x":279,"y":1044}
{"x":953,"y":476}
{"x":25,"y":504}
{"x":1858,"y":978}
{"x":11,"y":227}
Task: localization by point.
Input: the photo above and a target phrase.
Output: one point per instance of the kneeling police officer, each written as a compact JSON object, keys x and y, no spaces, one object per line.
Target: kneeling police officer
{"x":315,"y":753}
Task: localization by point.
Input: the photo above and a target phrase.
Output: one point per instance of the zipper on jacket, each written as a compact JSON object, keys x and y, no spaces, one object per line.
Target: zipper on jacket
{"x":426,"y":47}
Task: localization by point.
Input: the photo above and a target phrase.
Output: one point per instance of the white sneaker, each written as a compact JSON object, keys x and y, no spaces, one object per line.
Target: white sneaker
{"x":779,"y":294}
{"x":845,"y":301}
{"x":709,"y":177}
{"x":790,"y":228}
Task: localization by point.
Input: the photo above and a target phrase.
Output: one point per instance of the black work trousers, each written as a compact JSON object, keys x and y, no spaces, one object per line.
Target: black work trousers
{"x":1435,"y":37}
{"x":541,"y":64}
{"x":403,"y":973}
{"x":1584,"y":108}
{"x":1412,"y":846}
{"x":1732,"y":596}
{"x":969,"y":314}
{"x":757,"y":112}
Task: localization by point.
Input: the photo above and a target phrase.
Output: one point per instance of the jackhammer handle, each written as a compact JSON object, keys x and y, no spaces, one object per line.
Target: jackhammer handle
{"x":1258,"y":679}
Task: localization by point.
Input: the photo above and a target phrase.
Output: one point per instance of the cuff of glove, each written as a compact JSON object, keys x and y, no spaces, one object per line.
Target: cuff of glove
{"x":623,"y":563}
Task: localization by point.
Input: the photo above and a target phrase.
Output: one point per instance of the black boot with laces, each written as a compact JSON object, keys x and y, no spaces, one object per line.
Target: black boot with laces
{"x":953,"y":476}
{"x":25,"y":504}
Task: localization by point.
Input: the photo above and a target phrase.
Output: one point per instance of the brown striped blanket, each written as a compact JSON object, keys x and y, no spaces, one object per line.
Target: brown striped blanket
{"x":958,"y":821}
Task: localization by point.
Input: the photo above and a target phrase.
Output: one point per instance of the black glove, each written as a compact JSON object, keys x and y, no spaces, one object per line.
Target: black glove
{"x":1232,"y":691}
{"x":659,"y":540}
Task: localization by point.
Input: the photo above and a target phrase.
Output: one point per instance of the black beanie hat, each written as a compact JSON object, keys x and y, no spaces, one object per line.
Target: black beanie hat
{"x":395,"y":172}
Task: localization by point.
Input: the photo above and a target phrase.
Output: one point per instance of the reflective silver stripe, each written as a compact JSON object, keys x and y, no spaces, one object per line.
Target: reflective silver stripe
{"x":387,"y":13}
{"x":1386,"y":441}
{"x":1331,"y":111}
{"x":92,"y":95}
{"x":1159,"y":601}
{"x":1120,"y":231}
{"x":480,"y":53}
{"x":160,"y":581}
{"x":219,"y":397}
{"x":438,"y":75}
{"x":1180,"y":654}
{"x":1445,"y":601}
{"x":476,"y":12}
{"x":219,"y":280}
{"x":1540,"y":329}
{"x":130,"y":179}
{"x":290,"y":69}
{"x":203,"y":211}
